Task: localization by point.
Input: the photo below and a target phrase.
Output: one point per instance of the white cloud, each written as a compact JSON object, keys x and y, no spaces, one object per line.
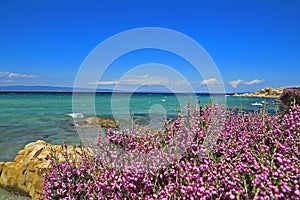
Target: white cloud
{"x":105,"y":83}
{"x":235,"y":83}
{"x":14,"y":75}
{"x":136,"y":80}
{"x":211,"y":81}
{"x":7,"y":81}
{"x":180,"y":83}
{"x":144,"y":80}
{"x":255,"y":81}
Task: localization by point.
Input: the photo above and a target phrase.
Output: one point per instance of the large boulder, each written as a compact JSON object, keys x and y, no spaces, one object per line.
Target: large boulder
{"x":24,"y":174}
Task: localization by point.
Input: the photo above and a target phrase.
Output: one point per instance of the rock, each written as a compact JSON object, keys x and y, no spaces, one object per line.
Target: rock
{"x":24,"y":174}
{"x":98,"y":121}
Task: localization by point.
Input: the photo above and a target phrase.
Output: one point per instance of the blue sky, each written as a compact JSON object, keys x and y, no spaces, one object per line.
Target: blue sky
{"x":254,"y":44}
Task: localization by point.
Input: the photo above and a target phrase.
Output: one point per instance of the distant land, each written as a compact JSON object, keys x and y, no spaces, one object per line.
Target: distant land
{"x":22,"y":88}
{"x":269,"y":92}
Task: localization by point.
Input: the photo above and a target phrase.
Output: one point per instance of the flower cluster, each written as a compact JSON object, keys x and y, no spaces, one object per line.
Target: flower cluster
{"x":212,"y":153}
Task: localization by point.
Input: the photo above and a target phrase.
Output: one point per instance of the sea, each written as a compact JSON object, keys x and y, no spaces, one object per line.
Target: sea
{"x":52,"y":116}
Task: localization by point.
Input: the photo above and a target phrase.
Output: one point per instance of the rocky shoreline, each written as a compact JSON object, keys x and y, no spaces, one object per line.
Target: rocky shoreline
{"x":24,"y":175}
{"x":269,"y":92}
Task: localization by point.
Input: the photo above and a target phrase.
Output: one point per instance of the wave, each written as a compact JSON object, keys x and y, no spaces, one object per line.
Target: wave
{"x":76,"y":115}
{"x":257,"y":104}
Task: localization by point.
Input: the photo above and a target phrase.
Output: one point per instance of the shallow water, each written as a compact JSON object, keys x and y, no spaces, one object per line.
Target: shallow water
{"x":27,"y":117}
{"x":6,"y":195}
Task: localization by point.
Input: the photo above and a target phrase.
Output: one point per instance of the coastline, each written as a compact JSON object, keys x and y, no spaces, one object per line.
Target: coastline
{"x":24,"y":175}
{"x":269,"y":92}
{"x":38,"y":104}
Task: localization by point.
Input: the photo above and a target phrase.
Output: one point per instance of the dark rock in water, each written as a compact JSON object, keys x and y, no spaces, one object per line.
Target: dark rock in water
{"x":98,"y":121}
{"x":142,"y":121}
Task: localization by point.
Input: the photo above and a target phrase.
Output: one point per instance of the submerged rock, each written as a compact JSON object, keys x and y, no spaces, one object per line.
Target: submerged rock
{"x":24,"y":174}
{"x":98,"y":121}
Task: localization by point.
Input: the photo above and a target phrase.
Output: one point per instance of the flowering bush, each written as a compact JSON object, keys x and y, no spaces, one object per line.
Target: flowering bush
{"x":223,"y":156}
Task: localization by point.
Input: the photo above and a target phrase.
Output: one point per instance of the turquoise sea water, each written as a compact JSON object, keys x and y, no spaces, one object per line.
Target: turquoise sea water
{"x":27,"y":117}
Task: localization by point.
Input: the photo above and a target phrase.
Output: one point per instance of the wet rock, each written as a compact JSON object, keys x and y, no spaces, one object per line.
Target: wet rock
{"x":98,"y":121}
